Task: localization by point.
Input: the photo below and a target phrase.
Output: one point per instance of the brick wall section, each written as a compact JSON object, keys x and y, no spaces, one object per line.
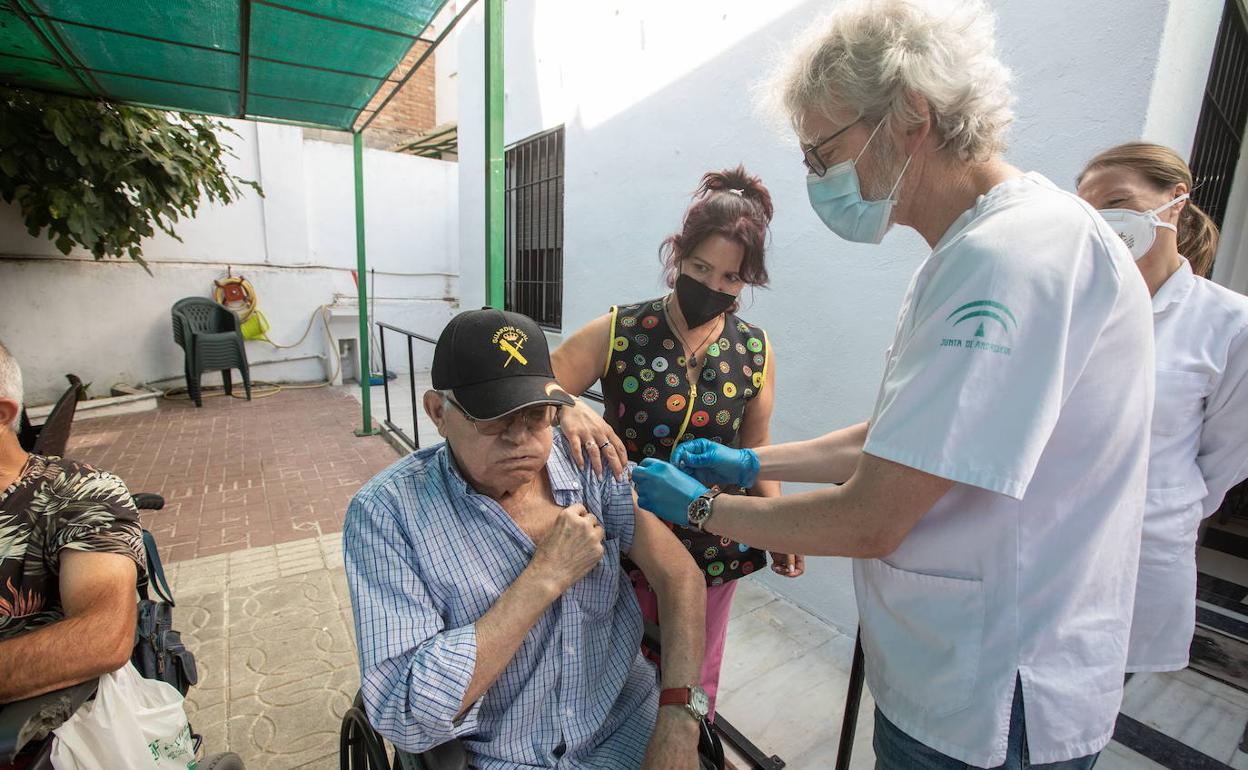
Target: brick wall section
{"x":413,"y":110}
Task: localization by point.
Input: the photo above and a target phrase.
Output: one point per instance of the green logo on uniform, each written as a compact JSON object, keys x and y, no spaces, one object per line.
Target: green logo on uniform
{"x":988,"y":315}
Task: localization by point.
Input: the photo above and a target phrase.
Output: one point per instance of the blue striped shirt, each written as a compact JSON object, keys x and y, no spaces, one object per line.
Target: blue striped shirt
{"x":427,"y":556}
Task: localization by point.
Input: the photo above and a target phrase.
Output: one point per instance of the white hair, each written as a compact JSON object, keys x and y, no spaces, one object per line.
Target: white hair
{"x":867,"y":56}
{"x":11,"y":382}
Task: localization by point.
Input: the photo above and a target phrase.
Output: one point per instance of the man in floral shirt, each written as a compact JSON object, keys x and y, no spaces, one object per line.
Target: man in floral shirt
{"x":71,"y":551}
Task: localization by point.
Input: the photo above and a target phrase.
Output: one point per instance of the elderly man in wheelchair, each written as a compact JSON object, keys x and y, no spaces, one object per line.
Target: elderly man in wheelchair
{"x":71,"y":556}
{"x":70,"y":553}
{"x":491,"y":611}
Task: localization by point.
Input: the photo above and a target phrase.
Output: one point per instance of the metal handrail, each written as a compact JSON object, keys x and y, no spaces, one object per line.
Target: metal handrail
{"x":853,"y":698}
{"x":411,"y":441}
{"x":417,"y":335}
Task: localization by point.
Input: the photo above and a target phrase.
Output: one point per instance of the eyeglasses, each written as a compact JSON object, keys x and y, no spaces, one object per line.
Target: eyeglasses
{"x":535,"y":418}
{"x":810,"y":156}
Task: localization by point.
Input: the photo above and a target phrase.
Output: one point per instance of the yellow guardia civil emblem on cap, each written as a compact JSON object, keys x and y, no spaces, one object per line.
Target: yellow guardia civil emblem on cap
{"x":510,"y":340}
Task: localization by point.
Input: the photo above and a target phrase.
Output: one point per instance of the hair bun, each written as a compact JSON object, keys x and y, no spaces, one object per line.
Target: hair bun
{"x":740,"y":182}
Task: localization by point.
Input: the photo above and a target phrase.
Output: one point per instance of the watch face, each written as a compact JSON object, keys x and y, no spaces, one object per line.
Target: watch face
{"x":699,"y":702}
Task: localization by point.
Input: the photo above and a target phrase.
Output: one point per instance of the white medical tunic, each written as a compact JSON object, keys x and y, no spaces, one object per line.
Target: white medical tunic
{"x":1022,"y":369}
{"x":1199,"y":451}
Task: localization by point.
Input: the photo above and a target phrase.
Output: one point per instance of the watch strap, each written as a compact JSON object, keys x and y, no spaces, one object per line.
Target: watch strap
{"x":675,"y":696}
{"x":703,"y":500}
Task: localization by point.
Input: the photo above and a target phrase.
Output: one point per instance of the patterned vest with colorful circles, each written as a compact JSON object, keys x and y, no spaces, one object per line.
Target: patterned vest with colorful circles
{"x":652,"y":405}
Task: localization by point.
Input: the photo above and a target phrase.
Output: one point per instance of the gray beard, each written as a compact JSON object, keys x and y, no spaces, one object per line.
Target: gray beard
{"x":887,"y":168}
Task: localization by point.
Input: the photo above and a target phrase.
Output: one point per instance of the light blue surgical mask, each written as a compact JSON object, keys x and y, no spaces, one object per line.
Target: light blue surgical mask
{"x":837,"y":198}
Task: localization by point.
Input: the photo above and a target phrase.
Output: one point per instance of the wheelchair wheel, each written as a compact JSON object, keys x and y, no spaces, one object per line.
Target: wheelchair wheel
{"x":226,"y":761}
{"x":710,"y":749}
{"x":359,"y":745}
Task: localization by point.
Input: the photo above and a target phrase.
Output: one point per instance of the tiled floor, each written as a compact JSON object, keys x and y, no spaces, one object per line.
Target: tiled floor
{"x":250,"y":535}
{"x":272,"y":633}
{"x":238,"y":474}
{"x":1194,"y":709}
{"x":784,"y":680}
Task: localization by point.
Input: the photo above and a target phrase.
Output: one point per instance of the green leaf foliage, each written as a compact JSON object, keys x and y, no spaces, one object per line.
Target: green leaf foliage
{"x":104,"y":176}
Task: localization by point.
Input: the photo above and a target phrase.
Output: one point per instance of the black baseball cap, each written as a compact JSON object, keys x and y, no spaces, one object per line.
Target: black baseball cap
{"x":495,"y":362}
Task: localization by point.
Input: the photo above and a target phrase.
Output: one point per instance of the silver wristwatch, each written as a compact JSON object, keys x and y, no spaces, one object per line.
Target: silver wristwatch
{"x":700,"y":509}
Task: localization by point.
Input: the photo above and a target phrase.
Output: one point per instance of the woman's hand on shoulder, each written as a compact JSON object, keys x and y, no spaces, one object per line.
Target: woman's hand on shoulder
{"x":589,"y":436}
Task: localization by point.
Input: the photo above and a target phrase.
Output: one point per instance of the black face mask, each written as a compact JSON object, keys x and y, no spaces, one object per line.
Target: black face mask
{"x":698,"y":302}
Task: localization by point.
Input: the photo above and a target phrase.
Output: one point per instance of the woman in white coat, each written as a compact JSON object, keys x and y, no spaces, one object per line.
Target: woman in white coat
{"x":1199,"y":444}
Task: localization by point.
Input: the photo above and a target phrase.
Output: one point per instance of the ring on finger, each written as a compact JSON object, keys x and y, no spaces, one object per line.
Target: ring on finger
{"x":604,"y":445}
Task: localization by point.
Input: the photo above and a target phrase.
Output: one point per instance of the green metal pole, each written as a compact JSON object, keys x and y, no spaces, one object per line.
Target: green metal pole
{"x":361,"y":269}
{"x":495,"y":216}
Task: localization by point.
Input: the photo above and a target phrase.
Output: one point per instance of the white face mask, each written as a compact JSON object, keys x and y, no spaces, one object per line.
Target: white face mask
{"x":1138,"y":229}
{"x":837,"y":198}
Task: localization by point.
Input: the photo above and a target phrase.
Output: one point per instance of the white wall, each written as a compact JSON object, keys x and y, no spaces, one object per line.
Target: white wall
{"x":108,"y":321}
{"x":1182,"y":65}
{"x":652,"y":94}
{"x":446,"y":67}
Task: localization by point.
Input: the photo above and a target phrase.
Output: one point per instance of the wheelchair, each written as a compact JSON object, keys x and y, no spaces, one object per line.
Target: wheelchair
{"x":361,"y":747}
{"x":26,"y":726}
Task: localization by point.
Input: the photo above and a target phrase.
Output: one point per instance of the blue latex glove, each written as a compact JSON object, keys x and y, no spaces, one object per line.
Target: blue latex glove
{"x":713,"y":463}
{"x":665,"y":491}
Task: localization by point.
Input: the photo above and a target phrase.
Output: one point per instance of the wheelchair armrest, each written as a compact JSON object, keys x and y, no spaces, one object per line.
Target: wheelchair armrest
{"x":33,"y":719}
{"x":148,"y":501}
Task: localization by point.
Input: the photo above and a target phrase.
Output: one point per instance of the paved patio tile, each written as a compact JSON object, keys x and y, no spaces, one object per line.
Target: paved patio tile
{"x":797,"y":667}
{"x":276,"y":652}
{"x":209,"y":722}
{"x":236,"y":474}
{"x":286,"y":600}
{"x":769,"y":637}
{"x":286,"y":652}
{"x":292,"y":724}
{"x":807,"y":698}
{"x":749,"y":596}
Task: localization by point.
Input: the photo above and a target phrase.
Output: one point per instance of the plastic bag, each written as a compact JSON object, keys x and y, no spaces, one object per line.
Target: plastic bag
{"x":133,"y":723}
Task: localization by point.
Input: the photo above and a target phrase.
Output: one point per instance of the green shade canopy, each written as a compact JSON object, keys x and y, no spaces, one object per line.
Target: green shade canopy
{"x":312,"y":62}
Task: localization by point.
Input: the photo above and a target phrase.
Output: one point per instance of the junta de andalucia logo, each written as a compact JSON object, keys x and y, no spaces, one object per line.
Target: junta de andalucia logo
{"x":993,"y":324}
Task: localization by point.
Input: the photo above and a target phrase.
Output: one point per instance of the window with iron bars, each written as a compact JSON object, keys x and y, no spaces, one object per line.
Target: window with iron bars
{"x":1220,"y":130}
{"x":1216,"y":150}
{"x":533,"y":278}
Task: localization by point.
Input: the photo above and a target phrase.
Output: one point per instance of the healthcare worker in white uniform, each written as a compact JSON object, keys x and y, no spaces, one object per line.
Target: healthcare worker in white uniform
{"x":1199,"y":446}
{"x":994,"y":503}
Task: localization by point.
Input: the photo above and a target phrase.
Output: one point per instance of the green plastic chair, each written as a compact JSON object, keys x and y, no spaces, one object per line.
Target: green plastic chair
{"x":211,"y":338}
